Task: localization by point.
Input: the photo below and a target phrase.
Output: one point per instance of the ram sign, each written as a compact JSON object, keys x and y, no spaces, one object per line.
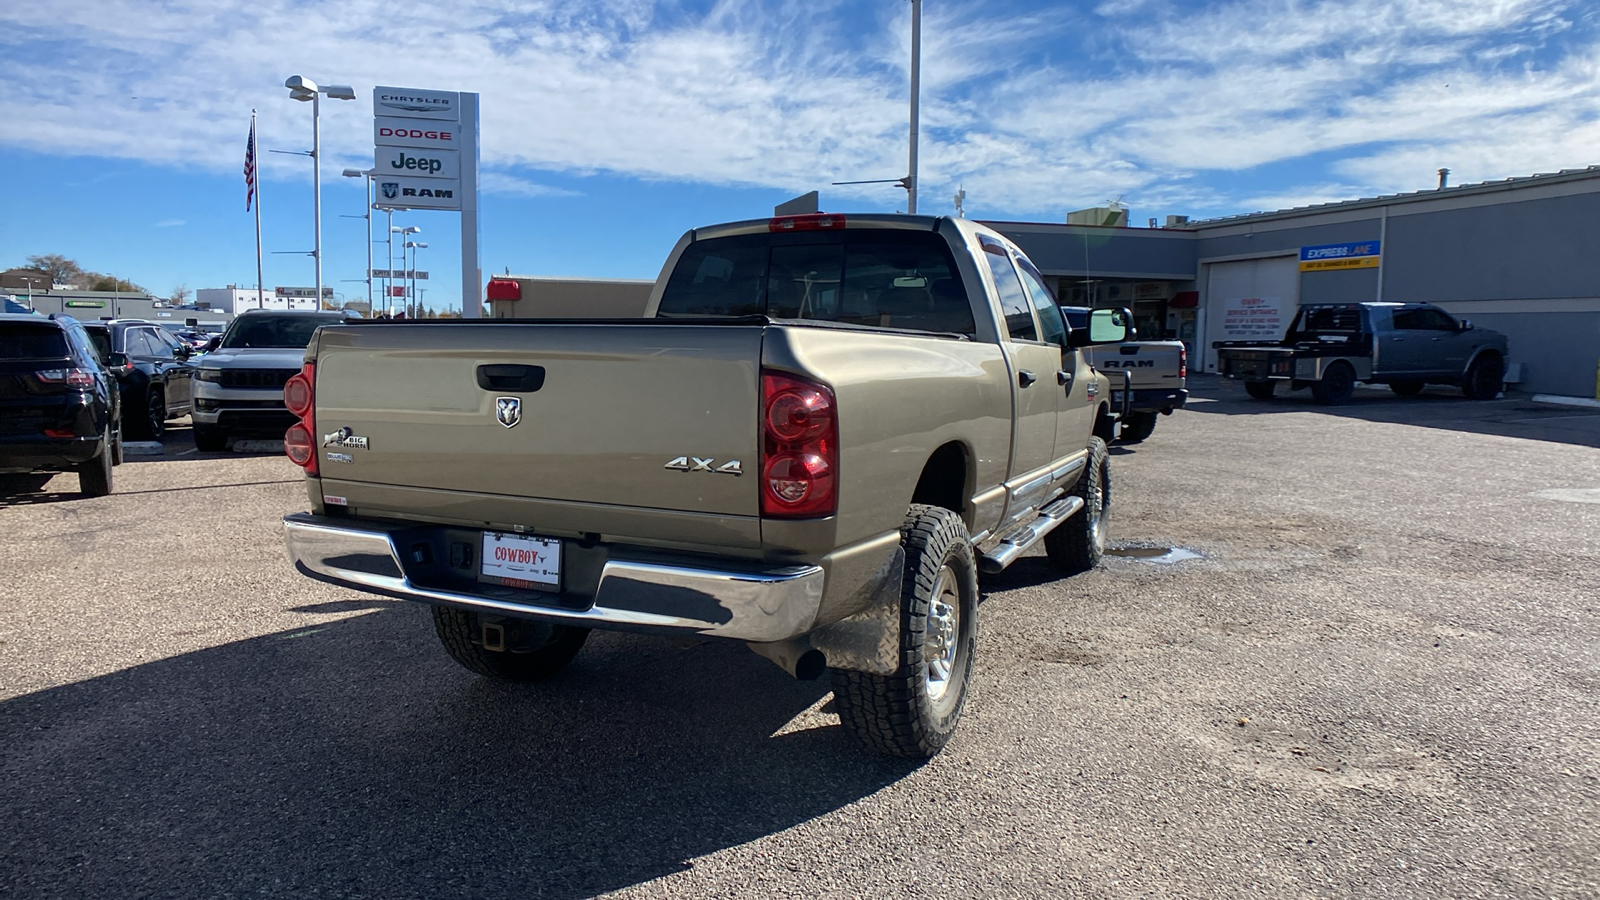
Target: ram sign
{"x":418,"y":193}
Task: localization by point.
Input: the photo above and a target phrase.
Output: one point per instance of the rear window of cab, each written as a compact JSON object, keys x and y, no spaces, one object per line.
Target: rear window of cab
{"x":887,"y":279}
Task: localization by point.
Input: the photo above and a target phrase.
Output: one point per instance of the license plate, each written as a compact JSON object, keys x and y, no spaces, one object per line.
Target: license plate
{"x":520,"y":561}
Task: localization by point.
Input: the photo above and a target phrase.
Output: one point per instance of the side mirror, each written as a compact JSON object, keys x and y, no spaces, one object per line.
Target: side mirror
{"x":1106,"y":326}
{"x":182,"y":352}
{"x":214,"y":343}
{"x":1464,"y":325}
{"x":119,"y":364}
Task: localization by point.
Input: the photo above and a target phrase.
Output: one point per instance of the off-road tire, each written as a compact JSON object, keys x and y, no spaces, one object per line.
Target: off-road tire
{"x":896,"y":714}
{"x":1406,"y":388}
{"x":1079,"y":544}
{"x":462,"y":636}
{"x":210,"y":438}
{"x":24,"y":484}
{"x":1136,"y":426}
{"x":1337,"y":386}
{"x":94,"y":476}
{"x":1261,"y":390}
{"x":1485,"y":378}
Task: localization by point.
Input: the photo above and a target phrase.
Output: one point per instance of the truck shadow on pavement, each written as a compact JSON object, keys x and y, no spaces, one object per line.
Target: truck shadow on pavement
{"x":1437,"y":407}
{"x":352,"y":758}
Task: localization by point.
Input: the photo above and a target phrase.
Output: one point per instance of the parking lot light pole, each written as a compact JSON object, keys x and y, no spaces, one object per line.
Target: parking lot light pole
{"x":366,"y":214}
{"x":409,"y":229}
{"x":411,"y":272}
{"x":303,"y":89}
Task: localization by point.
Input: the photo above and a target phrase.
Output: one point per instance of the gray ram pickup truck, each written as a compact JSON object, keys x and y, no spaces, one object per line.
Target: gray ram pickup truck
{"x":1154,"y":374}
{"x":821,"y":431}
{"x":1331,"y":346}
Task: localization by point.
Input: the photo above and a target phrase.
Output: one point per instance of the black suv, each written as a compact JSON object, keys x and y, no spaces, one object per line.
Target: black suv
{"x":156,"y":377}
{"x":59,"y":408}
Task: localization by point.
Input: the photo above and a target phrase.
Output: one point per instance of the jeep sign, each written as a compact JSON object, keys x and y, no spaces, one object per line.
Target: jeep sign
{"x":420,"y":163}
{"x":388,"y":132}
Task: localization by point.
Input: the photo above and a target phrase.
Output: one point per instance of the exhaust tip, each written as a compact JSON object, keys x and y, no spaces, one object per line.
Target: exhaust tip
{"x":810,"y":665}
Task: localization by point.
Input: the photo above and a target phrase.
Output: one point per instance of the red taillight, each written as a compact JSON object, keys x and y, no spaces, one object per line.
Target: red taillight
{"x":809,"y":222}
{"x":298,"y":443}
{"x":60,"y":432}
{"x":1183,"y":362}
{"x":799,"y":448}
{"x":300,"y":396}
{"x":504,"y":289}
{"x":69,"y":377}
{"x":297,"y":394}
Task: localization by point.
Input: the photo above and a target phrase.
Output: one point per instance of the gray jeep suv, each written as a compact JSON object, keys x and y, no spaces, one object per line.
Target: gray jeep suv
{"x":238,"y":389}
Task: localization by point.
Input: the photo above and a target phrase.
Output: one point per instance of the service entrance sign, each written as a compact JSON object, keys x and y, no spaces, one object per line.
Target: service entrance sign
{"x":425,"y":156}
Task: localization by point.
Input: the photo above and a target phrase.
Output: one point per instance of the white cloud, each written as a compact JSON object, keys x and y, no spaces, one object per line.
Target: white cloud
{"x":170,"y":223}
{"x":1034,"y":112}
{"x":511,"y":185}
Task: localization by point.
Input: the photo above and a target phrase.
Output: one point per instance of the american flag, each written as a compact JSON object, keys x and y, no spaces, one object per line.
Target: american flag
{"x":250,"y":167}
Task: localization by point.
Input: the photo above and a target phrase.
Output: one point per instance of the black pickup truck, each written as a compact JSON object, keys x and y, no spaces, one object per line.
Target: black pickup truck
{"x":1329,"y":347}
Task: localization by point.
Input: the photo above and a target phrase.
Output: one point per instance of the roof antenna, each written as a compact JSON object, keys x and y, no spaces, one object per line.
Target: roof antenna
{"x":1444,"y":178}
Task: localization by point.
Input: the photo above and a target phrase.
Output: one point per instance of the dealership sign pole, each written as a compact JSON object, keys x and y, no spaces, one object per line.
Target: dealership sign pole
{"x":426,"y":157}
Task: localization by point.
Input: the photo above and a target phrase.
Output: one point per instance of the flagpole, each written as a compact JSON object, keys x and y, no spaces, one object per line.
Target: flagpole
{"x":261,"y":298}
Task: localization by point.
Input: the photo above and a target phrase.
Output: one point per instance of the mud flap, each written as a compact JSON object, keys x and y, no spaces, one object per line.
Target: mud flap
{"x":869,"y":641}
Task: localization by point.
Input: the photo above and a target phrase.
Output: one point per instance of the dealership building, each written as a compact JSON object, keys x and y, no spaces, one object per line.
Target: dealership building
{"x":1518,"y":256}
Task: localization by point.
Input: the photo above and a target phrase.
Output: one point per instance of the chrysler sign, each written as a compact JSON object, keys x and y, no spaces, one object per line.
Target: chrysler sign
{"x":415,"y":104}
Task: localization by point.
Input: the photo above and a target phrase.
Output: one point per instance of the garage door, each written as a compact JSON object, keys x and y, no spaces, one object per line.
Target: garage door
{"x":1249,"y":300}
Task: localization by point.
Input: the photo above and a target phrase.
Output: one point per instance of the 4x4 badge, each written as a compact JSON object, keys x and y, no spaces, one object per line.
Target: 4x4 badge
{"x":508,"y":411}
{"x":696,"y":464}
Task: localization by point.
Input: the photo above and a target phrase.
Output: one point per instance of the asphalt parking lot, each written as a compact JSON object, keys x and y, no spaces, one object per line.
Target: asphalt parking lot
{"x":1380,"y":677}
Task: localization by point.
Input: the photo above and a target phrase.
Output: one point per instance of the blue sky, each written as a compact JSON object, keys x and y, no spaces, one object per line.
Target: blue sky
{"x":611,"y":126}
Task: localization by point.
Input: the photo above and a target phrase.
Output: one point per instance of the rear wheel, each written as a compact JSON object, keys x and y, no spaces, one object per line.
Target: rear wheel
{"x":913,"y":712}
{"x":1337,"y":386}
{"x":1079,"y":544}
{"x":151,"y":423}
{"x":1260,"y":390}
{"x":1136,"y":426}
{"x":210,"y":438}
{"x":94,"y":476}
{"x":1486,"y":379}
{"x":1406,"y":388}
{"x":528,"y":650}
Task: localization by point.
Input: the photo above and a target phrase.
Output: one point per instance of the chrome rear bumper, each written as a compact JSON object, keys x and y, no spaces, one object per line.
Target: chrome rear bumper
{"x":766,"y":605}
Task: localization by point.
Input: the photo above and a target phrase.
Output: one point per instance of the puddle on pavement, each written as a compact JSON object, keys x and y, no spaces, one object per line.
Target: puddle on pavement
{"x":1164,"y":556}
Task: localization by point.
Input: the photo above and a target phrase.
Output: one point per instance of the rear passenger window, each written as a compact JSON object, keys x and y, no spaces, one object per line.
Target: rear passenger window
{"x":1014,"y":304}
{"x":1423,"y":319}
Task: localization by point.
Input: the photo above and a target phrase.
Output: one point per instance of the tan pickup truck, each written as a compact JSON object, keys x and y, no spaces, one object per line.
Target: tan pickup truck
{"x":822,"y":430}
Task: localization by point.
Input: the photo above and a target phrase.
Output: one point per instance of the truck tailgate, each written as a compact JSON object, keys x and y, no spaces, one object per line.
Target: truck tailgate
{"x":1153,"y":365}
{"x":588,"y":413}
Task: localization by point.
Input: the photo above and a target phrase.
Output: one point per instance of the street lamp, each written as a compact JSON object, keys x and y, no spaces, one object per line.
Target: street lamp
{"x":302,"y":89}
{"x":411,"y":270}
{"x":366,"y":214}
{"x":409,"y":229}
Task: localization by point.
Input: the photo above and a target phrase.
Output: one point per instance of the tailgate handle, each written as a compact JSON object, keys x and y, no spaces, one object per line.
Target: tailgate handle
{"x":1129,"y":349}
{"x":511,"y":378}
